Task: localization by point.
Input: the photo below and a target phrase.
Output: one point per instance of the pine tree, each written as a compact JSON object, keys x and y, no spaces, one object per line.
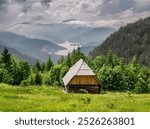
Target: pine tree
{"x":38,"y":78}
{"x":68,"y":60}
{"x":5,"y":58}
{"x":61,"y":60}
{"x":48,"y":64}
{"x":37,"y":66}
{"x":42,"y":67}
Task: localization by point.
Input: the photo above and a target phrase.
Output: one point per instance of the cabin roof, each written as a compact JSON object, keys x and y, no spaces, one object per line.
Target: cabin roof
{"x":78,"y":69}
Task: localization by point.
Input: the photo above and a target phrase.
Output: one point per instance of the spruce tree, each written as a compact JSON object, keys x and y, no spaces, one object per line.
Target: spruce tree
{"x":48,"y":64}
{"x":68,"y":60}
{"x":38,"y":78}
{"x":37,"y":65}
{"x":5,"y":58}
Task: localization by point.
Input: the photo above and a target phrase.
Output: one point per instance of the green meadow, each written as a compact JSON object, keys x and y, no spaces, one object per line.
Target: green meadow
{"x":52,"y":99}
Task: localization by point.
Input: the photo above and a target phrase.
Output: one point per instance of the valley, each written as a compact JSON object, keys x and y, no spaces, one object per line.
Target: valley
{"x":41,"y":40}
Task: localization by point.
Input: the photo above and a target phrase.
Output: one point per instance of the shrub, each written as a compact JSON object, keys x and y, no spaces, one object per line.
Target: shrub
{"x":112,"y":78}
{"x":24,"y":83}
{"x":56,"y":83}
{"x":141,"y":88}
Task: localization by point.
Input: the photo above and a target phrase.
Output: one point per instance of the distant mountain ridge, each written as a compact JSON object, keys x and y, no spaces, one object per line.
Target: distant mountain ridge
{"x":62,"y":32}
{"x":17,"y":54}
{"x":35,"y":48}
{"x":38,"y":41}
{"x":131,"y":40}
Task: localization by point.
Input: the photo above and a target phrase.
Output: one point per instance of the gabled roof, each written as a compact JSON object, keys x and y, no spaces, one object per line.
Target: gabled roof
{"x":79,"y":68}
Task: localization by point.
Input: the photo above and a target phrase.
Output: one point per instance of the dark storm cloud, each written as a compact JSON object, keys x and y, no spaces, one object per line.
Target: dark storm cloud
{"x":46,"y":2}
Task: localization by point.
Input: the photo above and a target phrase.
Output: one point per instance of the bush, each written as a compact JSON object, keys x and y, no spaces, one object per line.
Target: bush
{"x":56,"y":83}
{"x":143,"y":82}
{"x":24,"y":83}
{"x":142,"y":88}
{"x":112,"y":78}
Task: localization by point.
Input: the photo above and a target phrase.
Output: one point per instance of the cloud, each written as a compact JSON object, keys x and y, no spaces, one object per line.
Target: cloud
{"x":141,"y":6}
{"x":3,"y":2}
{"x":116,"y":6}
{"x":46,"y":2}
{"x":92,"y":12}
{"x":3,"y":5}
{"x":20,"y":1}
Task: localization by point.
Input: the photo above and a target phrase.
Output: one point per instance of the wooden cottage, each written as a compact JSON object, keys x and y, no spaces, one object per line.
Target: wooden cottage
{"x":80,"y":78}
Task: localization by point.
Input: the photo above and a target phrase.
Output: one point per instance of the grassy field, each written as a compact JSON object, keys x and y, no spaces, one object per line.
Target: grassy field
{"x":49,"y":99}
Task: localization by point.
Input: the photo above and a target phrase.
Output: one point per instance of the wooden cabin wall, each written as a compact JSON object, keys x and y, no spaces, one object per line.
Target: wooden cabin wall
{"x":88,"y":83}
{"x":83,"y":80}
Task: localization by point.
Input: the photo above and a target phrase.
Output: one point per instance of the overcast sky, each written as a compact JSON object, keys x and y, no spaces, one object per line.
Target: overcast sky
{"x":114,"y":13}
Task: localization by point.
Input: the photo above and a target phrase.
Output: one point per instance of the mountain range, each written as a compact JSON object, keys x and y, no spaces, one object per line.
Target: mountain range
{"x":34,"y":48}
{"x":18,"y":54}
{"x":38,"y":41}
{"x":132,"y":40}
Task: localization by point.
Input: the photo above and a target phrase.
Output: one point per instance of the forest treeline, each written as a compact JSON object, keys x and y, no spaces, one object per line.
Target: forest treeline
{"x":112,"y":71}
{"x":130,"y":40}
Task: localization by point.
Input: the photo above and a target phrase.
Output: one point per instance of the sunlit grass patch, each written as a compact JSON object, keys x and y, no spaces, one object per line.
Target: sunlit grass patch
{"x":52,"y":99}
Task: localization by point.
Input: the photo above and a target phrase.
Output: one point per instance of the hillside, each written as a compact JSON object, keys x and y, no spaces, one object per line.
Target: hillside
{"x":95,"y":35}
{"x":59,"y":33}
{"x":131,"y":40}
{"x":35,"y":48}
{"x":18,"y":54}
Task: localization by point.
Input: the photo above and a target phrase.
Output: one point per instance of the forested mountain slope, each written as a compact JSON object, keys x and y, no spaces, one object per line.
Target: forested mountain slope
{"x":131,"y":40}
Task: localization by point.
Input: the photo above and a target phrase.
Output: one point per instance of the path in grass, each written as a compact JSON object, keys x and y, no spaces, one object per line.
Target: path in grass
{"x":50,"y":99}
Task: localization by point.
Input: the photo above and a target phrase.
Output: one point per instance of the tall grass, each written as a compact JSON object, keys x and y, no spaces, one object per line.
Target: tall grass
{"x":52,"y":99}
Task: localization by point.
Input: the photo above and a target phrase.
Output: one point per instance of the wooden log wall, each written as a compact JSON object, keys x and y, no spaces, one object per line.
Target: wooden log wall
{"x":89,"y":84}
